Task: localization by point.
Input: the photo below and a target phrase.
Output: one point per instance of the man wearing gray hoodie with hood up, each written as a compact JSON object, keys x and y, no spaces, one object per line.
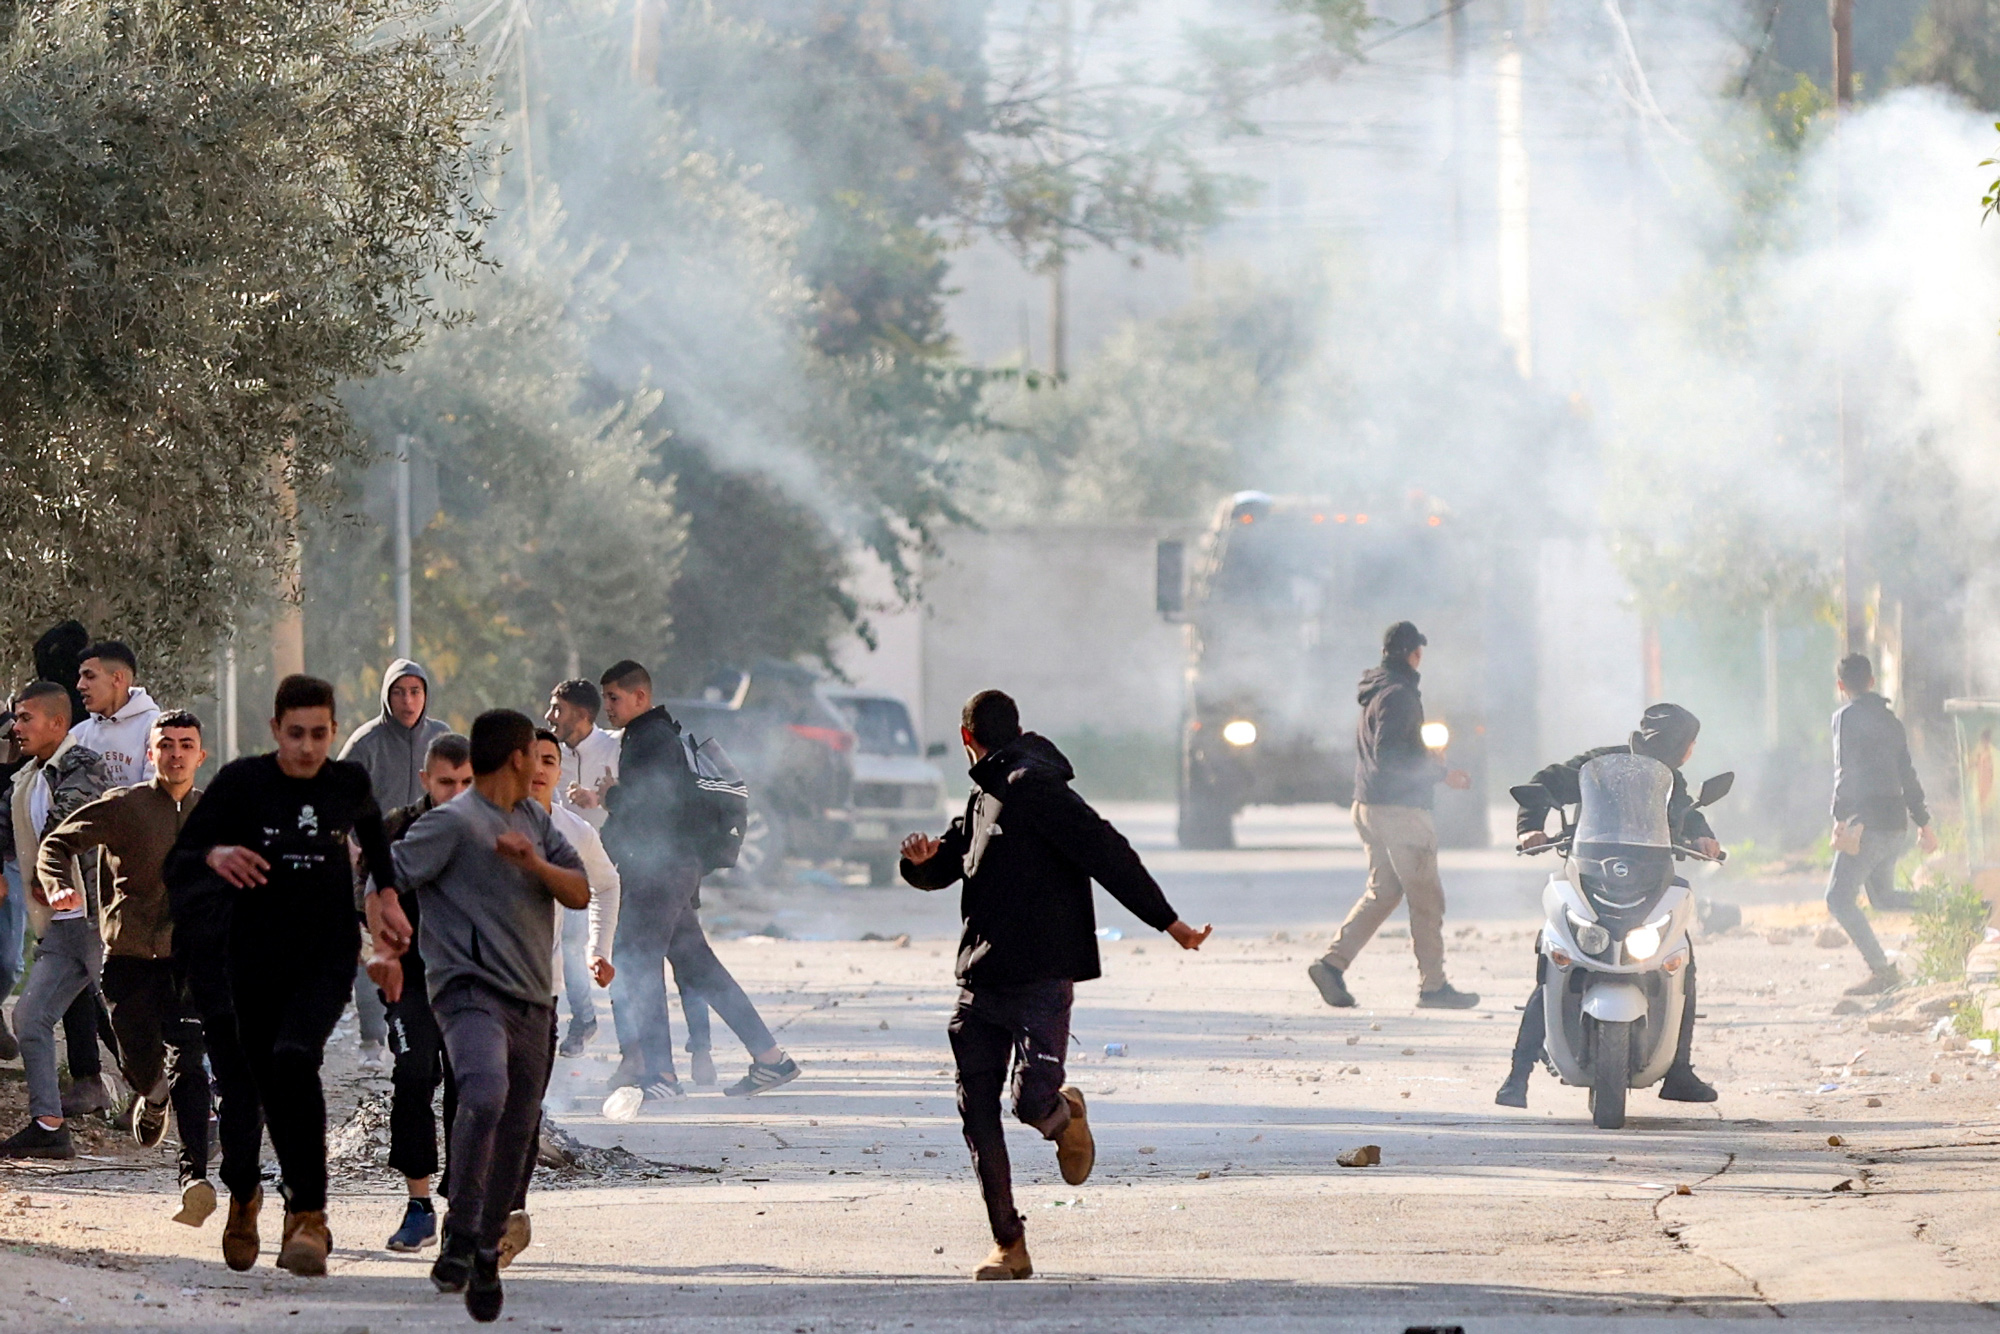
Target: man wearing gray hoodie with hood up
{"x":391,"y":747}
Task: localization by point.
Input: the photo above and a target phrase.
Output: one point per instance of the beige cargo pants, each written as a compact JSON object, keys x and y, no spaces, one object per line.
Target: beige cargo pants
{"x":1402,"y":864}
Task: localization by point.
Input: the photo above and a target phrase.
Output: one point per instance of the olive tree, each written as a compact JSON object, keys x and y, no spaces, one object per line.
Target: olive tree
{"x":211,"y":215}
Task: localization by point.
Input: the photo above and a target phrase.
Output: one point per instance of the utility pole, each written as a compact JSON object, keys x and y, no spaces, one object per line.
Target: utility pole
{"x":646,"y":42}
{"x":1454,"y":27}
{"x":1853,"y":619}
{"x":1516,"y":309}
{"x":288,"y":619}
{"x":1059,"y":276}
{"x":229,"y":738}
{"x":404,"y":648}
{"x":522,"y":22}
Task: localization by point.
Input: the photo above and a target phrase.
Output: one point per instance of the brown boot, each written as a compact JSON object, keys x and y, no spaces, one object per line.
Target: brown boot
{"x":306,"y":1243}
{"x":1006,"y":1262}
{"x":1076,"y":1151}
{"x":520,"y":1232}
{"x":240,"y":1242}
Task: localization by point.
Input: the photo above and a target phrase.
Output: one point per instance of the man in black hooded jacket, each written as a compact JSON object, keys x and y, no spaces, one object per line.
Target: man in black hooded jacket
{"x":1666,"y":733}
{"x":1395,"y":784}
{"x":646,"y":835}
{"x":1030,"y":934}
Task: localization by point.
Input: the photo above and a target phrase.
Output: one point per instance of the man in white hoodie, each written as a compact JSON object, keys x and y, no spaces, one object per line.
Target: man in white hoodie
{"x":119,"y":726}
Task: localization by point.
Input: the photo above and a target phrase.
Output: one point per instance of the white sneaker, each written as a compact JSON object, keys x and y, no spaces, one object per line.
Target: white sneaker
{"x":623,"y":1104}
{"x":375,"y":1058}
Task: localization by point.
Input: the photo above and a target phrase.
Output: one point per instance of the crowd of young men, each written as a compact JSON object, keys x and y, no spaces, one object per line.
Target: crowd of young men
{"x":211,"y":939}
{"x":223,"y":928}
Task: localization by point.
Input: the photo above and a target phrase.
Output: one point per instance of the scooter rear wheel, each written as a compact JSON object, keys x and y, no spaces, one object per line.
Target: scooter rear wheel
{"x":1610,"y":1074}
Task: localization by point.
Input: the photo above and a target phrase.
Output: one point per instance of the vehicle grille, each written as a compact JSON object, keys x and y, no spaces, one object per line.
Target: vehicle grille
{"x":894,"y":796}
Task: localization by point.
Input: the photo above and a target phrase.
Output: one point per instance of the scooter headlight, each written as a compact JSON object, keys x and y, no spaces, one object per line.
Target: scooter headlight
{"x":1642,"y":942}
{"x":1593,"y":938}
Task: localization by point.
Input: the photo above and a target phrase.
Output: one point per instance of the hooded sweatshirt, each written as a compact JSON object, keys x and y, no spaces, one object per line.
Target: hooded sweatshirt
{"x":121,"y":738}
{"x":390,"y":752}
{"x":1027,"y":849}
{"x":1392,"y":766}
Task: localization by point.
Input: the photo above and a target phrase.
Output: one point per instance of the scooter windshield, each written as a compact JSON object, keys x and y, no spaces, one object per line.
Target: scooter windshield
{"x":1625,"y":802}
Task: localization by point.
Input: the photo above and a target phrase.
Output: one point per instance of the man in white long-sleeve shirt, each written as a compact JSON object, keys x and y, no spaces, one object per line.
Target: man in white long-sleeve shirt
{"x":601,"y":917}
{"x":589,"y":767}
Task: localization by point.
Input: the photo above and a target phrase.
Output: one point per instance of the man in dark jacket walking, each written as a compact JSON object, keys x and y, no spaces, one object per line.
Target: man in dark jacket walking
{"x":1876,"y":798}
{"x":1030,"y":934}
{"x":660,"y":875}
{"x":1395,"y":778}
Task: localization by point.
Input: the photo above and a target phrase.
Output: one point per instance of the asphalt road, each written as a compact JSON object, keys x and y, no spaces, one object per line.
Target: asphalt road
{"x":845,"y":1201}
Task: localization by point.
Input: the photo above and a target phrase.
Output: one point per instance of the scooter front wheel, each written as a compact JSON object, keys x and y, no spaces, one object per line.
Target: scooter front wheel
{"x":1610,"y":1074}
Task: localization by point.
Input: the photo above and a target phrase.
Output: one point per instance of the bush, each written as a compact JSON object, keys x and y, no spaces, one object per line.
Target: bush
{"x":1950,"y":920}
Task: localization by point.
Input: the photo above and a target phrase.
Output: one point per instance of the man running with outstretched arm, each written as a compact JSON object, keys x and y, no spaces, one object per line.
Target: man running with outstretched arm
{"x":275,"y":829}
{"x":1027,"y":849}
{"x":490,"y":871}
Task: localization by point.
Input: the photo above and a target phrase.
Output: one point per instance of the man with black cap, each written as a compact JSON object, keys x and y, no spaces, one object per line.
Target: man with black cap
{"x":1666,"y":733}
{"x":1395,"y":779}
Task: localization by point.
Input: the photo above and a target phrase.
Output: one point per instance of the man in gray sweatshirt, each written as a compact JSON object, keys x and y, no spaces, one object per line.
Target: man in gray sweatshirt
{"x":391,"y":747}
{"x":490,"y":870}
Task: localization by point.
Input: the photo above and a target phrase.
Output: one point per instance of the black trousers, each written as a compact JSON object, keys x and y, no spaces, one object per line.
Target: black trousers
{"x":420,"y":1065}
{"x":1531,"y":1038}
{"x":239,"y":1112}
{"x":288,"y":997}
{"x":502,"y":1050}
{"x":84,"y":1024}
{"x":1025,"y":1026}
{"x":160,"y":1034}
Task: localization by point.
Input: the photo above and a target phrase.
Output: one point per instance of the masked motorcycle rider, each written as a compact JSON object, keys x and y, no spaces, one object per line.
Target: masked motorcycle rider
{"x":1666,"y":733}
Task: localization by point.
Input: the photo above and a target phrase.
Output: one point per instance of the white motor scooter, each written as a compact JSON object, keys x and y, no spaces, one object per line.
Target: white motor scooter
{"x":1615,"y":940}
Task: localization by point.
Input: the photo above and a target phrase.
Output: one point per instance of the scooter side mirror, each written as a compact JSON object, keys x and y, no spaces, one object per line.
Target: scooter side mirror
{"x":1531,"y":794}
{"x":1715,"y":789}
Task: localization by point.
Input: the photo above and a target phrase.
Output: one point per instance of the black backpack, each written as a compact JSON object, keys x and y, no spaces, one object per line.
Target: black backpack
{"x":716,"y":814}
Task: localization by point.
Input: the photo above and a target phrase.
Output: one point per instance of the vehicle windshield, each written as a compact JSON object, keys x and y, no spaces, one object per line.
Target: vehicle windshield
{"x":881,"y":726}
{"x":1625,"y":801}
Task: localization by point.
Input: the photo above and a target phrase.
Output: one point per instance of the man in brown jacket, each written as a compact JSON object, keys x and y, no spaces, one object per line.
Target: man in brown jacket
{"x":159,"y":1033}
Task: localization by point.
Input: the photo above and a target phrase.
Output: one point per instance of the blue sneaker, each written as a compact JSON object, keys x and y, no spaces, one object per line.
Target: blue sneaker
{"x":419,"y":1229}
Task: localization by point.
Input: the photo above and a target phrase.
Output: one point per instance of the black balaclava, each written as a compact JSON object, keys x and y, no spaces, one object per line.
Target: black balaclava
{"x":1665,"y":733}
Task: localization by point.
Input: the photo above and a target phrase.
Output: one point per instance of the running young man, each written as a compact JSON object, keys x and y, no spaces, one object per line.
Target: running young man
{"x":391,"y":746}
{"x":1030,"y":936}
{"x":275,"y":828}
{"x":657,"y":921}
{"x":160,"y":1048}
{"x":413,"y":1030}
{"x":589,"y":768}
{"x":59,"y":777}
{"x":490,"y":870}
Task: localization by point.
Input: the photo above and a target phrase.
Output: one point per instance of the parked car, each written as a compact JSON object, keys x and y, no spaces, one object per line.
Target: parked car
{"x":897,"y":789}
{"x":795,"y":750}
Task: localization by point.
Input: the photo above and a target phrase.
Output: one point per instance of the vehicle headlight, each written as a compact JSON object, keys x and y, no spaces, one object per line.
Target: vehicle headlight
{"x":1592,"y":938}
{"x":1436,"y":736}
{"x":1643,"y":942}
{"x":1240,"y":732}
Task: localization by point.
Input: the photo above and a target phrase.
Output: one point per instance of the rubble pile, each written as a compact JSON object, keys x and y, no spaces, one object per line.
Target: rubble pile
{"x":359,"y":1149}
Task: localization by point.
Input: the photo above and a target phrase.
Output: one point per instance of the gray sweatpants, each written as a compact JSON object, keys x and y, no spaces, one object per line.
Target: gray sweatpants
{"x":501,"y":1050}
{"x":68,"y":959}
